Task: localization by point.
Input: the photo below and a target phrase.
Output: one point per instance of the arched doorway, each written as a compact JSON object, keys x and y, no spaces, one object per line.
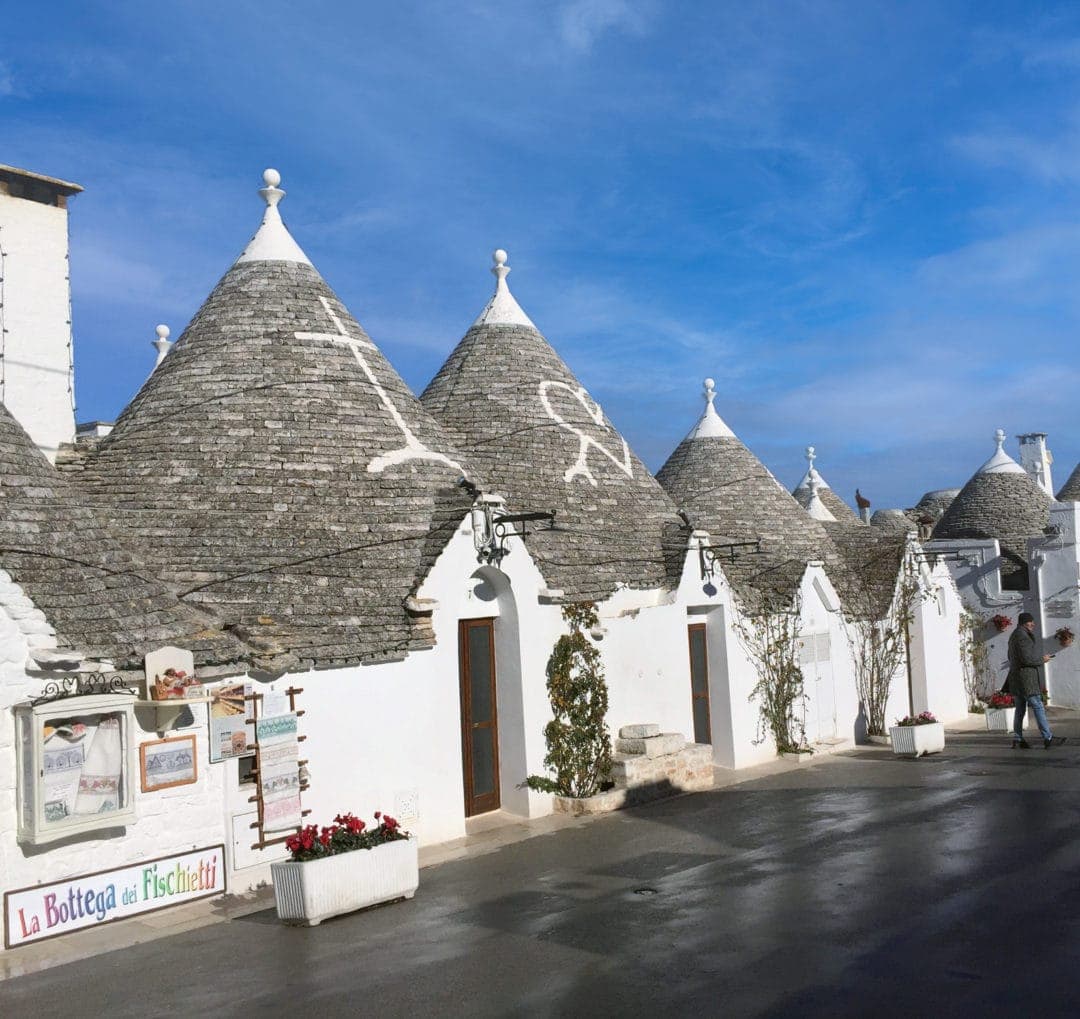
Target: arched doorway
{"x":492,"y":709}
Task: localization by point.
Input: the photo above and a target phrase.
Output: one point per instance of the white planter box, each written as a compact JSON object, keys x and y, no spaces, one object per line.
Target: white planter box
{"x":308,"y":893}
{"x":916,"y":740}
{"x":1000,"y":719}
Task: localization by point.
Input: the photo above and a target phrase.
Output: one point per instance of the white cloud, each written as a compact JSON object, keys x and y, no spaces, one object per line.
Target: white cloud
{"x":582,"y":22}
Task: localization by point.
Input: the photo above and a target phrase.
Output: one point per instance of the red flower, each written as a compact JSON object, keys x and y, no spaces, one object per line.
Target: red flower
{"x":389,"y":822}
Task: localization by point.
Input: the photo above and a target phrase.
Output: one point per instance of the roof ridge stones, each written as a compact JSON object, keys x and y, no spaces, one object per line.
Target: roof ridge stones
{"x":276,"y":468}
{"x":539,"y":439}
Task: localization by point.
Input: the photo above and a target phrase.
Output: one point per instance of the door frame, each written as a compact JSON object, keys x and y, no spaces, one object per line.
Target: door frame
{"x":485,"y":802}
{"x":703,"y":629}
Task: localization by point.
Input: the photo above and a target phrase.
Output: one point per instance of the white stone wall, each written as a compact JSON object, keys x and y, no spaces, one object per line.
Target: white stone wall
{"x":37,"y":376}
{"x":937,"y":668}
{"x":1055,"y":569}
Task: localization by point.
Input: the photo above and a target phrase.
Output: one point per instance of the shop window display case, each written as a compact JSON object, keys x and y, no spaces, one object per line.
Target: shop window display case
{"x":75,"y":765}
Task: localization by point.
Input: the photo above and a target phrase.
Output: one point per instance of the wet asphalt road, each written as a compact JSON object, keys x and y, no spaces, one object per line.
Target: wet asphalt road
{"x":862,"y":885}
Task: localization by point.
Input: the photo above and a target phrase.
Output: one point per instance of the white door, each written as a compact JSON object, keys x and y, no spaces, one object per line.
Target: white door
{"x":815,"y":658}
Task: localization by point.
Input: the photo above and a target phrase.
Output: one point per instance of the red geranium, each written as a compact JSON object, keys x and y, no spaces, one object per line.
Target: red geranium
{"x":348,"y":832}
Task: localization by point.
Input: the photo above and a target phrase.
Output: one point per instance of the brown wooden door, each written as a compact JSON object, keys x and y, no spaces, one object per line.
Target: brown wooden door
{"x":699,"y":683}
{"x":479,"y":715}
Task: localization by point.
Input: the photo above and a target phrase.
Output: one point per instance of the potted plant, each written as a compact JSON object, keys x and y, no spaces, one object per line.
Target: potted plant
{"x":916,"y":735}
{"x":1064,"y":635}
{"x":1001,"y":623}
{"x":344,"y":867}
{"x":999,"y":712}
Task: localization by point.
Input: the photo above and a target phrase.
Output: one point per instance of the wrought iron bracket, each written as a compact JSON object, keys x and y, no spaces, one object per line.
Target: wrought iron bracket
{"x":83,"y":686}
{"x":492,"y":530}
{"x":709,"y":555}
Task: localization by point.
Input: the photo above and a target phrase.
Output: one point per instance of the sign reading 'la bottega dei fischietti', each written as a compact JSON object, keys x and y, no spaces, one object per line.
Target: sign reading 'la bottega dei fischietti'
{"x":45,"y":911}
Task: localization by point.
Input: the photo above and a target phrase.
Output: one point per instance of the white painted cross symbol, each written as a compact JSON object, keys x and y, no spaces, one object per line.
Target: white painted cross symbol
{"x":413,"y":449}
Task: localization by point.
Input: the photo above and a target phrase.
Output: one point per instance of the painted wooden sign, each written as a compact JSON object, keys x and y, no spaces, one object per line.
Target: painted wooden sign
{"x":46,"y":911}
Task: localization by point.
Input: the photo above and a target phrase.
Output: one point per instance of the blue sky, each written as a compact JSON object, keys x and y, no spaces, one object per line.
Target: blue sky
{"x":859,"y":218}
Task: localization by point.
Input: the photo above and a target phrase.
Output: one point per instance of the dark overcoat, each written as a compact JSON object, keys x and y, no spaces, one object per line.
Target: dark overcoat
{"x":1025,"y":663}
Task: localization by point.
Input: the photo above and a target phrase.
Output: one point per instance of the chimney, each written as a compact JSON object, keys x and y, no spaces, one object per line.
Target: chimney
{"x":1036,"y":459}
{"x":37,"y":383}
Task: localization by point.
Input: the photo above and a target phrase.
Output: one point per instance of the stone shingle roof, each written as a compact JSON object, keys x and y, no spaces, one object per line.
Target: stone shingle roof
{"x":276,"y":469}
{"x":101,"y":602}
{"x":1008,"y":506}
{"x":729,"y":492}
{"x":840,"y":510}
{"x":869,"y":568}
{"x":894,"y":521}
{"x":538,"y":439}
{"x":935,"y":503}
{"x":1070,"y":491}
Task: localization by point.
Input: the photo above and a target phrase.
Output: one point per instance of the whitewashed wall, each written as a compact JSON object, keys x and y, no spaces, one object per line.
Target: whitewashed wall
{"x":35,"y":314}
{"x":1055,"y":570}
{"x":937,"y":669}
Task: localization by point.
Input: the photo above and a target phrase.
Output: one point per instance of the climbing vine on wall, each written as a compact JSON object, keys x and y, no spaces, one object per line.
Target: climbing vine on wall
{"x":578,"y":742}
{"x":771,"y":641}
{"x":978,"y":676}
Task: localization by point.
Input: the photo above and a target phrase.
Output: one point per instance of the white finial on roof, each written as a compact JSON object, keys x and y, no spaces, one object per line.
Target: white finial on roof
{"x":1000,"y":462}
{"x":710,"y":425}
{"x":161,"y":344}
{"x":811,"y":473}
{"x":502,"y":309}
{"x":272,"y":241}
{"x":815,"y":507}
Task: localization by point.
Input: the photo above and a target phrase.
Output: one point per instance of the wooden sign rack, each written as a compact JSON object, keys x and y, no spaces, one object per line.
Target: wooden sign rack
{"x":256,"y":701}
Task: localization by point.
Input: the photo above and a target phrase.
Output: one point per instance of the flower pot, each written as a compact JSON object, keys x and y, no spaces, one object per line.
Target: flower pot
{"x":916,"y":740}
{"x":999,"y":719}
{"x":308,"y":893}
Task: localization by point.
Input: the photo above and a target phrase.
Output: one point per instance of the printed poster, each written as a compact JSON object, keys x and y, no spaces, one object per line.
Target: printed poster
{"x":279,"y":772}
{"x":230,"y":733}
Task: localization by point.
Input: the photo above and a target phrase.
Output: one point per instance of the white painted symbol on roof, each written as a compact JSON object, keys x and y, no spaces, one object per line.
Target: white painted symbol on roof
{"x":413,"y":449}
{"x":585,"y":442}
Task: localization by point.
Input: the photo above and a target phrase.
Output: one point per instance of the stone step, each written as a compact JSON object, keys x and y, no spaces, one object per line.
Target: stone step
{"x":640,"y":731}
{"x":652,"y":746}
{"x":689,"y":769}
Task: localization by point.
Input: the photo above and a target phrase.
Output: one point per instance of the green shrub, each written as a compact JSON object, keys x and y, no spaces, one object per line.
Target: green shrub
{"x":579,"y":746}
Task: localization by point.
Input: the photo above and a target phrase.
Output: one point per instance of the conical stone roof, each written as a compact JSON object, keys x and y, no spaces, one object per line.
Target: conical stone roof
{"x":101,"y":602}
{"x":840,"y":510}
{"x":1000,"y":501}
{"x":1070,"y":491}
{"x":730,"y":493}
{"x":539,"y":439}
{"x":275,"y":467}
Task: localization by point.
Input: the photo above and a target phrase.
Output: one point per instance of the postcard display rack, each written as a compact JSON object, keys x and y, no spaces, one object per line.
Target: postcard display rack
{"x":277,"y":773}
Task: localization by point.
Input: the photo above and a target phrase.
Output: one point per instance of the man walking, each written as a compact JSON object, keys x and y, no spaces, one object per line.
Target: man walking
{"x":1024,"y":682}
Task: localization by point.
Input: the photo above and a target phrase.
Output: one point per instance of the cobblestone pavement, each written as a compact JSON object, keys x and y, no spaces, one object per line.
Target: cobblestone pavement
{"x":859,"y":885}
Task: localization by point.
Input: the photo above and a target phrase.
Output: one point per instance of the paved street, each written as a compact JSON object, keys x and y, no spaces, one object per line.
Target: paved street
{"x":859,"y":885}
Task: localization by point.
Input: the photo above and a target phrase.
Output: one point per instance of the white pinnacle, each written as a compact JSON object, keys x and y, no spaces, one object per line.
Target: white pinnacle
{"x":502,"y":309}
{"x":272,"y":241}
{"x":161,"y":344}
{"x":710,"y":425}
{"x":811,"y":473}
{"x":1000,"y":462}
{"x":815,"y":507}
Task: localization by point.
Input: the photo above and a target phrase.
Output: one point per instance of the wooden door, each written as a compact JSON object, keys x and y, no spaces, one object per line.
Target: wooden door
{"x":479,"y":715}
{"x":699,"y":683}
